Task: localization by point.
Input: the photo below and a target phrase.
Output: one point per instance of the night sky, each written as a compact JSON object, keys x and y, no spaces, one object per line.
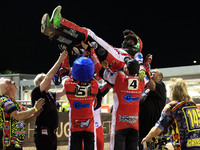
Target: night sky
{"x":169,"y":30}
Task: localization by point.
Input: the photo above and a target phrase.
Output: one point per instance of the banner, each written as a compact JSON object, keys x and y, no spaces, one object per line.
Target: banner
{"x":63,"y":129}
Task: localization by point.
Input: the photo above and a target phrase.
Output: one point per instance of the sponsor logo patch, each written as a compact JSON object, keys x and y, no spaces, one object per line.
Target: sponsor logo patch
{"x":128,"y":119}
{"x":128,"y":98}
{"x":79,"y":105}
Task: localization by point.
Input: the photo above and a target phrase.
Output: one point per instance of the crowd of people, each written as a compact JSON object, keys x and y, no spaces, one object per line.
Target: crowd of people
{"x":139,"y":112}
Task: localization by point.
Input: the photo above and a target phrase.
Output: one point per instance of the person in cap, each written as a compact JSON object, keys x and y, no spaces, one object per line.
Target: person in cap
{"x":81,"y":90}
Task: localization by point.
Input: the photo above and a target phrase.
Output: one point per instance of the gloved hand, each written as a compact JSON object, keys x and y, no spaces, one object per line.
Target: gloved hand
{"x":141,"y":75}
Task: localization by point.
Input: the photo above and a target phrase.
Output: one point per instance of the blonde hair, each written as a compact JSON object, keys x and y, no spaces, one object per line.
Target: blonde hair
{"x":38,"y":79}
{"x":178,"y":90}
{"x":2,"y":85}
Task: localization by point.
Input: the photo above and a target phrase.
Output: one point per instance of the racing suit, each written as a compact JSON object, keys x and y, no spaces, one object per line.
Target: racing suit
{"x":126,"y":94}
{"x":81,"y":98}
{"x":103,"y":90}
{"x":183,"y":118}
{"x":13,"y":130}
{"x":71,"y":34}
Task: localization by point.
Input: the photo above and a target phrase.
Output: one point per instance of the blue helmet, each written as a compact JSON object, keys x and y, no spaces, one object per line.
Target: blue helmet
{"x":83,"y":69}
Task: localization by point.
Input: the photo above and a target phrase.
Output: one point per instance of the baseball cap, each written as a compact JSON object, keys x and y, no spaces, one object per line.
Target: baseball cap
{"x":133,"y":66}
{"x":83,"y":69}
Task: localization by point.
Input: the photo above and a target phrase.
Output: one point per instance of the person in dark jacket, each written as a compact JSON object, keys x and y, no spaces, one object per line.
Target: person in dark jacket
{"x":47,"y":122}
{"x":151,"y":104}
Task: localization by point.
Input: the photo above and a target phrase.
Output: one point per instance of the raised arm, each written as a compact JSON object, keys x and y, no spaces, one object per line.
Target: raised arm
{"x":23,"y":115}
{"x":151,"y":84}
{"x":60,"y":93}
{"x":47,"y":80}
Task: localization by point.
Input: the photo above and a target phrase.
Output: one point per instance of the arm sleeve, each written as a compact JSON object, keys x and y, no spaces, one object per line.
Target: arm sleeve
{"x":35,"y":95}
{"x":165,"y":118}
{"x":146,"y":79}
{"x":54,"y":95}
{"x":105,"y":89}
{"x":9,"y":106}
{"x":94,"y":87}
{"x":110,"y":77}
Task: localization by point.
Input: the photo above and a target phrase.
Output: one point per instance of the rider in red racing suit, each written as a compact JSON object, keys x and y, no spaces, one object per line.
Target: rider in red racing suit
{"x":61,"y":76}
{"x":127,"y":91}
{"x":103,"y":90}
{"x":81,"y":91}
{"x":71,"y":35}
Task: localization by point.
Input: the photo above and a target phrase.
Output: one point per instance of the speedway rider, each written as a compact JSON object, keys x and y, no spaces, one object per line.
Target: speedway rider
{"x":71,"y":35}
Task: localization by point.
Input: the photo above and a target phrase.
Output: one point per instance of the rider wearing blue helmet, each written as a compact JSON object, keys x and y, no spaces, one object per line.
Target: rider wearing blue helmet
{"x":83,"y":69}
{"x":81,"y":91}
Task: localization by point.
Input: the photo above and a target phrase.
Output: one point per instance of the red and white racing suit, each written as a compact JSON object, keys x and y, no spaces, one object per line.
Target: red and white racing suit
{"x":126,"y":93}
{"x":81,"y":98}
{"x":71,"y":34}
{"x":103,"y":90}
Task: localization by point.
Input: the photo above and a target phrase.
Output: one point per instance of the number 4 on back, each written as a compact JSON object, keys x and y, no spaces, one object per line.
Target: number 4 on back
{"x":132,"y":84}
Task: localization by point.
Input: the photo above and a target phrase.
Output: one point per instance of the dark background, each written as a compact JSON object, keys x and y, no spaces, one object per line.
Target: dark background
{"x":169,"y":30}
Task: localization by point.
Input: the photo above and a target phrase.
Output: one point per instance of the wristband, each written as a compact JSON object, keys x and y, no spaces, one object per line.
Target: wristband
{"x":35,"y":109}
